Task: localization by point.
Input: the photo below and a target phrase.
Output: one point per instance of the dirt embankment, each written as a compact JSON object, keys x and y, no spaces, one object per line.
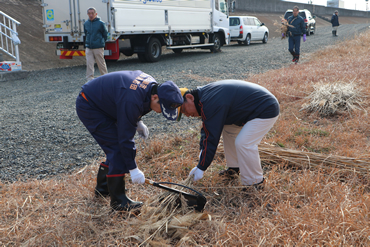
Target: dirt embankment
{"x":36,"y":54}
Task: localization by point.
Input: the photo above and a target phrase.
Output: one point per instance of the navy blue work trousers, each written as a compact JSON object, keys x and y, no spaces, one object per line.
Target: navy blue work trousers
{"x":295,"y":44}
{"x":104,"y":130}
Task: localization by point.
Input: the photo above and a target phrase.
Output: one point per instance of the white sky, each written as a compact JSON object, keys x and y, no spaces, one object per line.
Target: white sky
{"x":348,"y":4}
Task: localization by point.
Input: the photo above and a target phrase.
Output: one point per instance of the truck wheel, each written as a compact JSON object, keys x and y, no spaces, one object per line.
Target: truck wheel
{"x":177,"y":51}
{"x":265,"y":38}
{"x":142,"y":57}
{"x":217,"y":43}
{"x":247,"y":40}
{"x":153,"y":50}
{"x":309,"y":31}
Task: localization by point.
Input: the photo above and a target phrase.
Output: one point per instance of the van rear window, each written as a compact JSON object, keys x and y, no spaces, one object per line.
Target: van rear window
{"x":287,"y":15}
{"x":234,"y":22}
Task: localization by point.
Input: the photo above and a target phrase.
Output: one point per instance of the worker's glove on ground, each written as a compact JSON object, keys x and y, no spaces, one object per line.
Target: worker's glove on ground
{"x":137,"y":176}
{"x":198,"y":173}
{"x":142,"y":130}
{"x":304,"y":38}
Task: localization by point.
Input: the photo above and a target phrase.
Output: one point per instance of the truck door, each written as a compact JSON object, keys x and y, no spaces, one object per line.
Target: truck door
{"x":221,"y":14}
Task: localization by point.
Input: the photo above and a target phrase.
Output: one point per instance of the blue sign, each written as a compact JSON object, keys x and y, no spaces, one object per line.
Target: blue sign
{"x":50,"y":15}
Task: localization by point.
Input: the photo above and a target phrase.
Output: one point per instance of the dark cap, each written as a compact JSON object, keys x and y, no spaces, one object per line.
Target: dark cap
{"x":170,"y":99}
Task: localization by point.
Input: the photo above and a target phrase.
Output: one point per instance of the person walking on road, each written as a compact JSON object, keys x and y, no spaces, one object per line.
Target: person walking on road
{"x":243,"y":112}
{"x":296,"y":28}
{"x":96,"y":34}
{"x":335,"y":23}
{"x":111,"y":107}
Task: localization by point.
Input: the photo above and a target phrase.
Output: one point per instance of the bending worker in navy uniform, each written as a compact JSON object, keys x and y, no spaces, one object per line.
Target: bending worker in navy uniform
{"x":111,"y":107}
{"x":243,"y":112}
{"x":296,"y":28}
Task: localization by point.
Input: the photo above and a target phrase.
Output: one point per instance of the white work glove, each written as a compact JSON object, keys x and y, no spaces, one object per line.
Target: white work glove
{"x":137,"y":176}
{"x":142,"y":130}
{"x":198,"y":173}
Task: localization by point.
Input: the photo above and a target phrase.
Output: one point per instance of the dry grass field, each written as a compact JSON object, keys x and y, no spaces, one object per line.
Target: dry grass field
{"x":298,"y":207}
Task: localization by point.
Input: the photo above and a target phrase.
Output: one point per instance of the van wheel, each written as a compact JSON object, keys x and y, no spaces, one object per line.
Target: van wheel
{"x":265,"y":38}
{"x":217,"y":43}
{"x":142,"y":57}
{"x":309,"y":31}
{"x":247,"y":40}
{"x":177,"y":51}
{"x":153,"y":50}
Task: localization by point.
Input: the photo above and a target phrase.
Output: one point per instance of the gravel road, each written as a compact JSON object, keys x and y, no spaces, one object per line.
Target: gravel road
{"x":41,"y":135}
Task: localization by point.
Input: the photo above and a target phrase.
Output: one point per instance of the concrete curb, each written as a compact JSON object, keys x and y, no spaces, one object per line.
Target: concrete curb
{"x":13,"y":76}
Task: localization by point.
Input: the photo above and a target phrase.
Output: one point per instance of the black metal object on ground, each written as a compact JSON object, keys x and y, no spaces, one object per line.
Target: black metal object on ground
{"x":197,"y":201}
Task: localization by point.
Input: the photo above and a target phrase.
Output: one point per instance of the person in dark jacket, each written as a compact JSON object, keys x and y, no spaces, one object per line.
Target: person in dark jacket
{"x":111,"y":107}
{"x":243,"y":112}
{"x":96,"y":34}
{"x":335,"y":23}
{"x":296,"y":28}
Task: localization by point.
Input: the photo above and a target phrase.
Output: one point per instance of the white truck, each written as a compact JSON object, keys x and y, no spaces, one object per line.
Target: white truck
{"x":138,"y":26}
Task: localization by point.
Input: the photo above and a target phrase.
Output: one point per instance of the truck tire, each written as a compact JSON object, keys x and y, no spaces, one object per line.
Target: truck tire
{"x":177,"y":51}
{"x":142,"y":57}
{"x":308,"y":31}
{"x":217,"y":43}
{"x":153,"y":50}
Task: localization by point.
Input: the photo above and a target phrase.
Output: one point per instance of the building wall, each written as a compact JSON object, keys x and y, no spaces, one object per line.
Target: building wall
{"x":278,"y":6}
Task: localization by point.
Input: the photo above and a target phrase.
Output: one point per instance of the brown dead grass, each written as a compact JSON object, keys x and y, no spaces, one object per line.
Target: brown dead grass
{"x":298,"y":207}
{"x":346,"y":134}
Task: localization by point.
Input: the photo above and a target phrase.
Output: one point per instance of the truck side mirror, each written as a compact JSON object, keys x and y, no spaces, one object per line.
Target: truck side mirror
{"x":262,"y":24}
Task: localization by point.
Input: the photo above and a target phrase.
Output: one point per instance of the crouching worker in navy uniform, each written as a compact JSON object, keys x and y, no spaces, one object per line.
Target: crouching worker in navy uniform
{"x":111,"y":108}
{"x":243,"y":112}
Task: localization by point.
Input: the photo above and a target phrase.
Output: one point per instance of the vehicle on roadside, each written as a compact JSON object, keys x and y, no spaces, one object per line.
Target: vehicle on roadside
{"x":245,"y":29}
{"x":309,"y":20}
{"x":144,"y":25}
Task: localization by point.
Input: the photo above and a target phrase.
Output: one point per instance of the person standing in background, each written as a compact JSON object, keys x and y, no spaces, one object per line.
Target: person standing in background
{"x":335,"y":23}
{"x":96,"y":34}
{"x":296,"y":28}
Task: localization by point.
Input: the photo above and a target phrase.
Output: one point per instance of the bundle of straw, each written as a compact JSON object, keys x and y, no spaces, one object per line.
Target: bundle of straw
{"x":272,"y":155}
{"x":168,"y":217}
{"x":331,"y":98}
{"x":283,"y":27}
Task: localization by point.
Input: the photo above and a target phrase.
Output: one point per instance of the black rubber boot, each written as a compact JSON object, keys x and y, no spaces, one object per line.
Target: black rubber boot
{"x":296,"y":59}
{"x":118,"y":199}
{"x":333,"y":32}
{"x":293,"y":54}
{"x":230,"y":173}
{"x":101,"y":188}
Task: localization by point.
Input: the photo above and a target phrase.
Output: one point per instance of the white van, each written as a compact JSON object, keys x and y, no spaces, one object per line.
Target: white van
{"x":245,"y":29}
